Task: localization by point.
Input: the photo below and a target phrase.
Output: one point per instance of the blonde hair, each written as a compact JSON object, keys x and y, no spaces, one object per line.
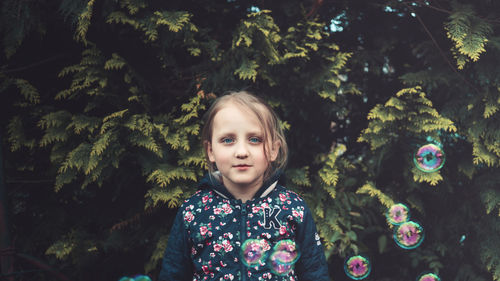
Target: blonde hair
{"x":268,"y":119}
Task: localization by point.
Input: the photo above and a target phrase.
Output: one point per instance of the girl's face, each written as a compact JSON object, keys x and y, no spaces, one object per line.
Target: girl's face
{"x":237,"y":148}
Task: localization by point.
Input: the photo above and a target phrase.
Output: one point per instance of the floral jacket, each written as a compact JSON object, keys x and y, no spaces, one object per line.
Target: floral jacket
{"x":212,"y":226}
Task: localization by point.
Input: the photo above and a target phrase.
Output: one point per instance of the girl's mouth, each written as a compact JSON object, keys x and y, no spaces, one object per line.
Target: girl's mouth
{"x":241,"y":167}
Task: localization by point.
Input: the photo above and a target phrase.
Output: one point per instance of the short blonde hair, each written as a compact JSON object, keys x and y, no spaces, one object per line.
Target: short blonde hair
{"x":273,"y":132}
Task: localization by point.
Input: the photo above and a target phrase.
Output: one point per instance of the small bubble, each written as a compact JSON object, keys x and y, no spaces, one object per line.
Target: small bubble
{"x":397,"y":214}
{"x":142,"y":278}
{"x":429,"y":158}
{"x":357,"y":267}
{"x":428,"y":277}
{"x":409,"y":235}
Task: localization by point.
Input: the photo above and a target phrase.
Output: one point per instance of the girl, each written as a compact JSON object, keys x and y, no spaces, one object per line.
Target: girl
{"x":242,"y":225}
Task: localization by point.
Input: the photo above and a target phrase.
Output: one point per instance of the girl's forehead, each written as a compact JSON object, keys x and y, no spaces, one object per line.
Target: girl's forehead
{"x":251,"y":111}
{"x":235,"y":113}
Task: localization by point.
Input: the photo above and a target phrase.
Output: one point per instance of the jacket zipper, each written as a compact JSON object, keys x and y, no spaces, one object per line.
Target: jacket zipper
{"x":244,"y":238}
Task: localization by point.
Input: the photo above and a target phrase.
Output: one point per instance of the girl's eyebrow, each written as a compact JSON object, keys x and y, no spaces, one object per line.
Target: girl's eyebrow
{"x":254,"y":133}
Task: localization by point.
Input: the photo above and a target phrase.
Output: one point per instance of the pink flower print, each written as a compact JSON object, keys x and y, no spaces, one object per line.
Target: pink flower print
{"x":193,"y":251}
{"x":217,"y":247}
{"x":282,"y":197}
{"x":265,"y":245}
{"x":227,"y":246}
{"x":297,"y":214}
{"x":288,"y":202}
{"x":212,"y":217}
{"x":205,"y":269}
{"x":217,"y":211}
{"x":203,"y":230}
{"x":227,"y":209}
{"x":212,"y":255}
{"x":188,"y":217}
{"x":204,"y":199}
{"x":255,"y":209}
{"x":282,"y":230}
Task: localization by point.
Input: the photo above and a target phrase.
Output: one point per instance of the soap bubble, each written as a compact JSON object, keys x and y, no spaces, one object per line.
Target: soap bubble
{"x":409,"y":235}
{"x":254,"y":251}
{"x":428,"y":277}
{"x":277,"y":263}
{"x":135,"y":278}
{"x":398,"y":214}
{"x":284,"y":256}
{"x":289,"y":249}
{"x":429,"y":158}
{"x":357,"y":267}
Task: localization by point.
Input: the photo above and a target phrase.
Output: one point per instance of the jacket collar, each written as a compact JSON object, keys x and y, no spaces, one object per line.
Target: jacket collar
{"x":212,"y":181}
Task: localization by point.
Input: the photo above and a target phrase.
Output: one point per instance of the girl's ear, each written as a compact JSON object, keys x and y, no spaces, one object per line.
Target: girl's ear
{"x":208,"y":149}
{"x":275,"y":148}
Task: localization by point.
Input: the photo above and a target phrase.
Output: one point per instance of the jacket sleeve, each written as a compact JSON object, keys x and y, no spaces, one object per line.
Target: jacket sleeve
{"x":177,"y":264}
{"x":312,"y":262}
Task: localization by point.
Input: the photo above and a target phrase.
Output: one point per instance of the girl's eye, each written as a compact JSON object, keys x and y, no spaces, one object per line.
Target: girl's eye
{"x":255,"y":140}
{"x":227,"y":140}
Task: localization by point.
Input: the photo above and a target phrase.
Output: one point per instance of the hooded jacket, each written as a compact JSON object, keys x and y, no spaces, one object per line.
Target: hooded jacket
{"x":211,"y":227}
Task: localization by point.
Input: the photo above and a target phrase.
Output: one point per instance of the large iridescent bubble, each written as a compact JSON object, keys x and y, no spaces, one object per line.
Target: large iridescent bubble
{"x":428,"y":277}
{"x":398,"y":214}
{"x":254,"y":252}
{"x":285,"y":254}
{"x":357,"y":267}
{"x":409,"y":235}
{"x":429,"y":158}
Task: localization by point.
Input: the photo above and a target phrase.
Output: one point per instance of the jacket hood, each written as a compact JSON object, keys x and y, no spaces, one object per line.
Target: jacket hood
{"x":213,"y":181}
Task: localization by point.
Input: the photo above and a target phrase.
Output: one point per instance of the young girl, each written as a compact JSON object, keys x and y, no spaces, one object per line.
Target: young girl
{"x":242,"y":225}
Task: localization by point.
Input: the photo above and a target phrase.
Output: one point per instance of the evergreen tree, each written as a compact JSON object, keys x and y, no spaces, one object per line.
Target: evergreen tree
{"x":102,"y":104}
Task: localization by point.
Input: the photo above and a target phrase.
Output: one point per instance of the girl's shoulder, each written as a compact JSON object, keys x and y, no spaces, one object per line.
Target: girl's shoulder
{"x":285,"y":193}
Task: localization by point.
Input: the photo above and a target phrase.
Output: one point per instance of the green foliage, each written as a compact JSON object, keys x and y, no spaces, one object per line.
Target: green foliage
{"x":62,"y":248}
{"x":408,"y":114}
{"x":370,"y":189}
{"x":468,"y":32}
{"x":103,"y":103}
{"x":83,"y":22}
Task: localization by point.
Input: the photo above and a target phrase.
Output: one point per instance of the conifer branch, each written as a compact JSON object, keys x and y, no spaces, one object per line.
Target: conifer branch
{"x":441,"y":52}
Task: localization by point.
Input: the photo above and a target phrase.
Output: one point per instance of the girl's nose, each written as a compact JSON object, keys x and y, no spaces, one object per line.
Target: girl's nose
{"x":241,"y":151}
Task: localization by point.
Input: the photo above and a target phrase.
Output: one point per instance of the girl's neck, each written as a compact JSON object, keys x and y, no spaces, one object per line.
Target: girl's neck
{"x":243,"y":193}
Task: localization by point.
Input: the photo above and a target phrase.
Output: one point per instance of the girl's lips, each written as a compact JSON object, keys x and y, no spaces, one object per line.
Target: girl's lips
{"x":241,"y":167}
